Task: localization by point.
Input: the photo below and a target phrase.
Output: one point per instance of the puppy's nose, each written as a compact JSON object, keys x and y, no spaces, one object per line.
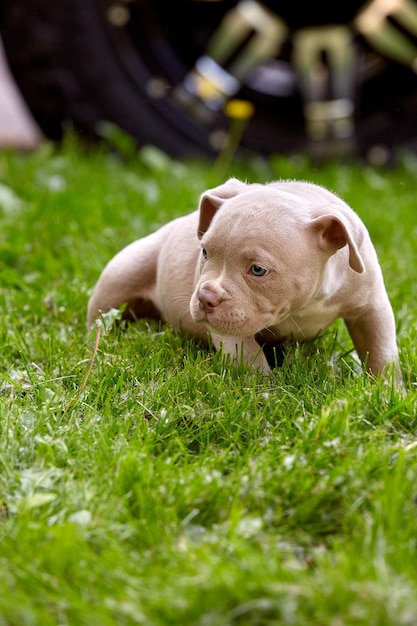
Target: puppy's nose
{"x":208,"y":300}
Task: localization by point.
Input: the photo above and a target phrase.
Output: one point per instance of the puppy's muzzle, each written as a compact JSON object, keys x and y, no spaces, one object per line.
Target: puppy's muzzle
{"x":208,"y":299}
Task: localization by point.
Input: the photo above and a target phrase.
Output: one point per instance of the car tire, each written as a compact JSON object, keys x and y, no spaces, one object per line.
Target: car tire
{"x":77,"y":64}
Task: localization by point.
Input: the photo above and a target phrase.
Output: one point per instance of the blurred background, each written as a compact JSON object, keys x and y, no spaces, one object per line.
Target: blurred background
{"x":328,"y":79}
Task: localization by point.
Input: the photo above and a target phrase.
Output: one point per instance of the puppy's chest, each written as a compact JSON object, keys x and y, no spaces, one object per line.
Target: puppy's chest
{"x":306,"y":323}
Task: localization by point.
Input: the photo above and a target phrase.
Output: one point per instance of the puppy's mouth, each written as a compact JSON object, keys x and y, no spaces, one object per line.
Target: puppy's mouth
{"x":231,"y":323}
{"x":235,"y":325}
{"x":226,"y":330}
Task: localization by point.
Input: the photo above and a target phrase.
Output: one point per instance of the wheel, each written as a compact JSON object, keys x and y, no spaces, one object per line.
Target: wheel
{"x":333,"y":80}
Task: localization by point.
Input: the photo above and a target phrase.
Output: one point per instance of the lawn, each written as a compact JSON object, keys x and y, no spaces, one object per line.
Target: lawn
{"x":164,"y":487}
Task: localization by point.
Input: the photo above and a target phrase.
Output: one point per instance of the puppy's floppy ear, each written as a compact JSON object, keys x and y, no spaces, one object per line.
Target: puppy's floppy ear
{"x":334,"y":232}
{"x":212,"y":200}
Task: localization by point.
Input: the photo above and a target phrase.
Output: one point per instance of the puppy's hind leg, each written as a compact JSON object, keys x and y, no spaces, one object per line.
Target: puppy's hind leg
{"x":374,"y":337}
{"x":129,"y":278}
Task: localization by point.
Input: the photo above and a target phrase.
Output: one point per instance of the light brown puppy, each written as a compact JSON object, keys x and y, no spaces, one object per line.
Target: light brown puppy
{"x":258,"y":264}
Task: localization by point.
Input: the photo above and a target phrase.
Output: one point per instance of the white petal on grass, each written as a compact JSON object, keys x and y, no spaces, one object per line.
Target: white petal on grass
{"x":37,"y":500}
{"x":9,"y":200}
{"x":82,"y":517}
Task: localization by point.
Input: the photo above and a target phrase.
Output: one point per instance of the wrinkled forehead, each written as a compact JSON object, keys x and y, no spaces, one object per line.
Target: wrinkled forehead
{"x":252,"y":231}
{"x":263,"y":209}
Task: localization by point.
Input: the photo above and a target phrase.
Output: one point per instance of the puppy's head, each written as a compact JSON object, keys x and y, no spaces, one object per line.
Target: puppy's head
{"x":264,"y":249}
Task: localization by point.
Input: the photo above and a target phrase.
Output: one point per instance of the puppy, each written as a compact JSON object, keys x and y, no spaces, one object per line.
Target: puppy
{"x":257,"y":264}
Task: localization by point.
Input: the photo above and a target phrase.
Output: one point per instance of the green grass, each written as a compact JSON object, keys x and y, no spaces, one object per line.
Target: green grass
{"x":172,"y":489}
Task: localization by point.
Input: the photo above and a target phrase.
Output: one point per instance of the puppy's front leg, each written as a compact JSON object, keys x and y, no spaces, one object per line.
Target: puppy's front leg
{"x":244,"y":349}
{"x":374,"y":337}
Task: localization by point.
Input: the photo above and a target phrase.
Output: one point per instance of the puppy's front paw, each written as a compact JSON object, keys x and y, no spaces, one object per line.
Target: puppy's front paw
{"x":243,"y":350}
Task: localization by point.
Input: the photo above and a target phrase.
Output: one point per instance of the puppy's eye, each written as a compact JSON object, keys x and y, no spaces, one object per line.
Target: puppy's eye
{"x":204,"y":253}
{"x":257,"y":270}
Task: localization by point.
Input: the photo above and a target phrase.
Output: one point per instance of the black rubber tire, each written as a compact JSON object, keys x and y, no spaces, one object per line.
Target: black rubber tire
{"x":73,"y":72}
{"x":65,"y":65}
